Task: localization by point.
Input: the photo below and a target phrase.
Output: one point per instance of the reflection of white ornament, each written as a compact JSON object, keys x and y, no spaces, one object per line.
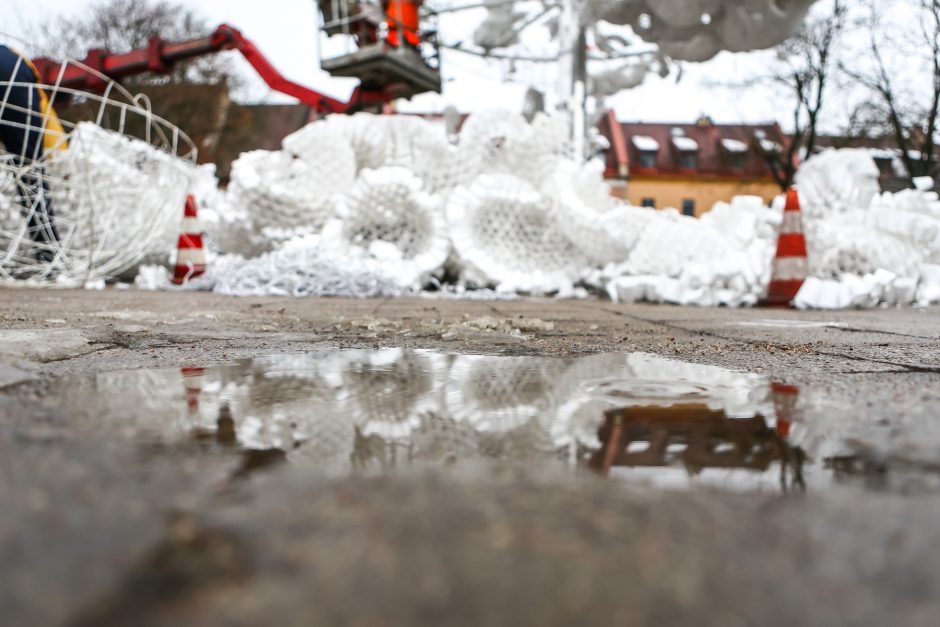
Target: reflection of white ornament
{"x":390,"y":391}
{"x":500,"y":395}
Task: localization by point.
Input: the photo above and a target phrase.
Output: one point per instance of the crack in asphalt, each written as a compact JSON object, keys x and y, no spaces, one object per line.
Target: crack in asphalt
{"x":712,"y":334}
{"x":856,"y":330}
{"x":107,"y":347}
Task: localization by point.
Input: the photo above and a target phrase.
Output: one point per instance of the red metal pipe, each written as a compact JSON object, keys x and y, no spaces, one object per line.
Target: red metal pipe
{"x":162,"y":56}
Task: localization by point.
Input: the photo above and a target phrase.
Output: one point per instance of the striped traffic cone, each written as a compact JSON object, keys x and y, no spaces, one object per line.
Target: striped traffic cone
{"x":192,"y":382}
{"x":784,"y":397}
{"x":190,"y":254}
{"x":790,"y":264}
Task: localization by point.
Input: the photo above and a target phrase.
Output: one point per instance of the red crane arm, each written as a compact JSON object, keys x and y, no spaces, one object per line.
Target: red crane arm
{"x":162,"y":56}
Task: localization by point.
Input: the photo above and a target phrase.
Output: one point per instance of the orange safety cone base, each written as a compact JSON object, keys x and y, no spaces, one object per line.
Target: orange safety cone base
{"x":190,"y":256}
{"x":782,"y":291}
{"x":789,"y":270}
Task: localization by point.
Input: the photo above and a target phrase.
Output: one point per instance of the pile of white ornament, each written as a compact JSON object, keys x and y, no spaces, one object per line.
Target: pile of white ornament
{"x":498,"y":206}
{"x":370,"y":205}
{"x":864,"y":247}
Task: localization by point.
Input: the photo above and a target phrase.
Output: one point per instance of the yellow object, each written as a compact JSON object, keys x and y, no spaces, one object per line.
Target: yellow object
{"x":53,"y":137}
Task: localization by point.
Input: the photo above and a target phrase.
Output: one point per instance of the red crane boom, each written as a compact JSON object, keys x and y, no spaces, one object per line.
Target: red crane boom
{"x":162,"y":56}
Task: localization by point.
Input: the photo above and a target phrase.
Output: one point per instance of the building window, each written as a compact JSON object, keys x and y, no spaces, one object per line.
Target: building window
{"x":688,"y":160}
{"x":648,"y":202}
{"x":735,"y":153}
{"x":647,"y":150}
{"x":688,"y":207}
{"x":685,"y":149}
{"x":646,"y":159}
{"x":736,"y":160}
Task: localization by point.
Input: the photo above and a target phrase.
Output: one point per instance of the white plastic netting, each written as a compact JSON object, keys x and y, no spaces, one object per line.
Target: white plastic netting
{"x":391,"y":226}
{"x":370,"y":205}
{"x":100,"y":202}
{"x":502,"y":206}
{"x":298,"y":268}
{"x":92,"y":204}
{"x":865,"y":247}
{"x":401,"y":197}
{"x":285,"y":194}
{"x":504,"y":232}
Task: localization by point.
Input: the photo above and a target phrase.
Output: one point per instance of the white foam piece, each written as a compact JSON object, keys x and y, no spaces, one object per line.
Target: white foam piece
{"x":856,"y":291}
{"x":298,"y":268}
{"x":923,"y":183}
{"x":928,"y":288}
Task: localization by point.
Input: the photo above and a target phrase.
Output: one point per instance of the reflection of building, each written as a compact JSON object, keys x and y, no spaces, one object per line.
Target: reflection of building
{"x":694,"y":436}
{"x":689,"y":166}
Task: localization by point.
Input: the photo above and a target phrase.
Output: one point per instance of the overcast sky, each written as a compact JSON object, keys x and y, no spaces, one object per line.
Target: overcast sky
{"x":286,"y":31}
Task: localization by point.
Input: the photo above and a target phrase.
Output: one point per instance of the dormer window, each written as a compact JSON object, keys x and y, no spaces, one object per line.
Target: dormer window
{"x":734,"y":152}
{"x":686,"y":152}
{"x":767,"y":146}
{"x":647,"y":150}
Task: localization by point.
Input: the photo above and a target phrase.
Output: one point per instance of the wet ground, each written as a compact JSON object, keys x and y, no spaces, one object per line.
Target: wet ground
{"x":194,"y":459}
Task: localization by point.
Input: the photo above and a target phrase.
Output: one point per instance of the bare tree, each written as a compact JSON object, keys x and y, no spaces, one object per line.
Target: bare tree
{"x":122,"y":25}
{"x":807,"y":63}
{"x":195,"y":95}
{"x":903,"y":75}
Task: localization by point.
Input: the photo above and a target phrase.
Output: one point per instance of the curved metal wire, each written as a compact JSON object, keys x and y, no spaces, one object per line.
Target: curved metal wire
{"x":109,"y":184}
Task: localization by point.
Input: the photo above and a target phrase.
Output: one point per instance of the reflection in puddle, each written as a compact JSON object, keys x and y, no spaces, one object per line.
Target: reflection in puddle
{"x":631,"y":416}
{"x":696,"y":438}
{"x":371,"y":411}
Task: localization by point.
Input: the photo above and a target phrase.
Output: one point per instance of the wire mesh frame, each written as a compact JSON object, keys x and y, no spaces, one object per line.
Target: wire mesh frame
{"x":114,"y":193}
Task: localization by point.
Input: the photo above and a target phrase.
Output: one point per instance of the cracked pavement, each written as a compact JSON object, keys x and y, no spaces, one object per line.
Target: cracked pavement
{"x":103,"y":528}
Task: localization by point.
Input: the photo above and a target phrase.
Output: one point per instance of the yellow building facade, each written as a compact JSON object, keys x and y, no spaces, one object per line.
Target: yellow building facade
{"x":677,"y":191}
{"x":689,"y":167}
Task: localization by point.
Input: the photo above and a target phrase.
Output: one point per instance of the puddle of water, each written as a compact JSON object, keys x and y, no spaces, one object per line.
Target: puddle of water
{"x":629,"y":416}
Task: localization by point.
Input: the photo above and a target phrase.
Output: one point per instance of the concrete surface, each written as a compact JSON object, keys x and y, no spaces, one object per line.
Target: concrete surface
{"x":101,"y":528}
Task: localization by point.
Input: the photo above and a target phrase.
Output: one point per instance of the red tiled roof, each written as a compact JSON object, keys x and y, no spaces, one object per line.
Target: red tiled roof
{"x":712,"y":158}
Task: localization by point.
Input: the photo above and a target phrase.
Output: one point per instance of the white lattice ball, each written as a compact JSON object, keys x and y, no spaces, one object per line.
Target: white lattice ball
{"x":281,"y":191}
{"x":388,"y":223}
{"x":604,"y":231}
{"x":504,"y":232}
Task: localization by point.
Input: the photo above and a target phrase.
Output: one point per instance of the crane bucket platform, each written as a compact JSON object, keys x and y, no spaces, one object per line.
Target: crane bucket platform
{"x":401,"y":70}
{"x":386,"y":47}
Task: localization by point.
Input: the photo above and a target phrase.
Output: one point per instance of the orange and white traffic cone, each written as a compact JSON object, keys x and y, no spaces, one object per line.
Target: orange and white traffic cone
{"x":784,"y":397}
{"x":190,"y":254}
{"x":790,"y":264}
{"x":192,"y":382}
